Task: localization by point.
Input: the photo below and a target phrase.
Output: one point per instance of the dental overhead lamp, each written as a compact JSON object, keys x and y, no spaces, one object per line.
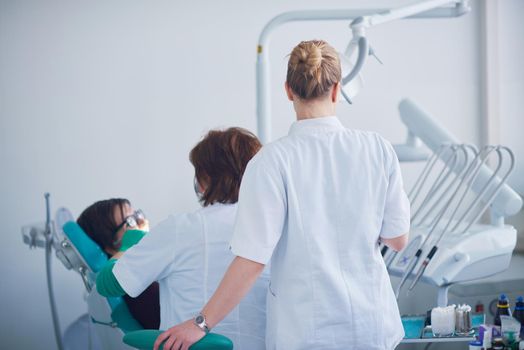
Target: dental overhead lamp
{"x":352,"y":82}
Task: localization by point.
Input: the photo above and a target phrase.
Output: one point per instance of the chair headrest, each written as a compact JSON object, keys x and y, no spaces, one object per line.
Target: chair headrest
{"x":89,"y":251}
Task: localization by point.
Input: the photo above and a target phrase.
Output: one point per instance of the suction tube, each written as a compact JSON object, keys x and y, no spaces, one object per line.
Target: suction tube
{"x":48,"y":248}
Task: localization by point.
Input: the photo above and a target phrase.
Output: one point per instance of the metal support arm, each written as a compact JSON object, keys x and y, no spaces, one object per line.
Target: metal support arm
{"x":426,"y":9}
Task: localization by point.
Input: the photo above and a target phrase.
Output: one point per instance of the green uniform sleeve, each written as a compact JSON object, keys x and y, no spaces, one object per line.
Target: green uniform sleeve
{"x":106,"y":282}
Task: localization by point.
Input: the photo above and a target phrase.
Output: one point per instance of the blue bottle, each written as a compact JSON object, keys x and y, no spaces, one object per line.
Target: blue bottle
{"x":502,"y":309}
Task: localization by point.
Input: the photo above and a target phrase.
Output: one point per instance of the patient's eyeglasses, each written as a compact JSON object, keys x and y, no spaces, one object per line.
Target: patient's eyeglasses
{"x":132,"y":220}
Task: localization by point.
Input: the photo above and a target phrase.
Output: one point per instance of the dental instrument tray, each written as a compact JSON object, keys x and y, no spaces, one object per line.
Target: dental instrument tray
{"x":416,"y":330}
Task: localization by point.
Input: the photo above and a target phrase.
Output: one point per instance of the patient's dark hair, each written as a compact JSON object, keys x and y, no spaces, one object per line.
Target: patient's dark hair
{"x":98,"y":221}
{"x":220,"y":160}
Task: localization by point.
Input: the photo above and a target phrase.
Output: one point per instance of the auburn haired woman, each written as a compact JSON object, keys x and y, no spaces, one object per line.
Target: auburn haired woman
{"x":189,"y":253}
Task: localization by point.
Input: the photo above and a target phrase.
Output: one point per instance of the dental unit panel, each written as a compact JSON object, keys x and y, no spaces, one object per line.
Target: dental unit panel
{"x":481,"y":252}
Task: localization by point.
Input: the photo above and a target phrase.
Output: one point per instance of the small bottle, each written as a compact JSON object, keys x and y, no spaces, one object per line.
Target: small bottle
{"x":498,"y":344}
{"x":519,"y":314}
{"x":502,"y":309}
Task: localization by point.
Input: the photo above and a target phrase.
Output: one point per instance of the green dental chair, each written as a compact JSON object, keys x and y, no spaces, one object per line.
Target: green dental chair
{"x":114,"y":324}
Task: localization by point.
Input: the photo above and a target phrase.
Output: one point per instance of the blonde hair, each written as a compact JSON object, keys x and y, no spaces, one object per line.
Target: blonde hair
{"x":313,"y":68}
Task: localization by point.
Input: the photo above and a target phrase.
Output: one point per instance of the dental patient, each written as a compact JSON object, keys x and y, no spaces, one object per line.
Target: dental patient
{"x":189,"y":253}
{"x":115,"y":226}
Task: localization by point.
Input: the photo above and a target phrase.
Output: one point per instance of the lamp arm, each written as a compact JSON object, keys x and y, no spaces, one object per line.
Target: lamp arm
{"x":359,"y":25}
{"x":414,"y":10}
{"x":263,"y":99}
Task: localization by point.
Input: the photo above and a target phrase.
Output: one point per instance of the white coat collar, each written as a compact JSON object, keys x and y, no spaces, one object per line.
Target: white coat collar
{"x":315,"y":125}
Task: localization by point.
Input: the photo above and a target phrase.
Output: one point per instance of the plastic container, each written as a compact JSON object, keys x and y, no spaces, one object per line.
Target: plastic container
{"x":413,"y":326}
{"x":502,"y":309}
{"x":443,"y":321}
{"x":463,"y":320}
{"x":519,"y":314}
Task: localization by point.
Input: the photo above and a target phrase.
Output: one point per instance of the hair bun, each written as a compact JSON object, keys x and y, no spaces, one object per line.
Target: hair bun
{"x":310,"y":55}
{"x":313,"y":68}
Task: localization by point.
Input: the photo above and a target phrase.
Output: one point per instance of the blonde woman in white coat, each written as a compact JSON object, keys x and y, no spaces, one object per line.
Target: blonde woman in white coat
{"x":315,"y":203}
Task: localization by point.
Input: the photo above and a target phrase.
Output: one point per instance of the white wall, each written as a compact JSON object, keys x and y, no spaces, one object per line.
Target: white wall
{"x":106,"y":98}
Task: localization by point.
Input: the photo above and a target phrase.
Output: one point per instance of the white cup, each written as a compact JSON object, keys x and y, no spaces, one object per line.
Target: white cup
{"x":443,"y":321}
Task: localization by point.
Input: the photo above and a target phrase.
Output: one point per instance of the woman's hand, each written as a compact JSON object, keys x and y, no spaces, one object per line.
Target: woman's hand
{"x":181,"y":336}
{"x":240,"y":276}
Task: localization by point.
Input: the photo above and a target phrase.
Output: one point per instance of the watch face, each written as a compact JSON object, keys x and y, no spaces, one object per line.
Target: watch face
{"x":199,"y":319}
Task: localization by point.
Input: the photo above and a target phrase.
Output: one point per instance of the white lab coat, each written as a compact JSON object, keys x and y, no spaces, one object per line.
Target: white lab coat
{"x":188,"y":255}
{"x":315,"y":202}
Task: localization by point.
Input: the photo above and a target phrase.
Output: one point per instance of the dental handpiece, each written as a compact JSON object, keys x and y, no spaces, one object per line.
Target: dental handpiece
{"x":406,"y":274}
{"x":423,"y":266}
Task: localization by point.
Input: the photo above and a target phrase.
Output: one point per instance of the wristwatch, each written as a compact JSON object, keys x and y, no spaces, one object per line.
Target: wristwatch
{"x":200,"y":322}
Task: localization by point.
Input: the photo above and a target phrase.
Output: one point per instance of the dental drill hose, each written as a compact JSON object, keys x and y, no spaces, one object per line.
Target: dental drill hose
{"x":48,"y":247}
{"x":428,"y":258}
{"x":389,"y":260}
{"x":490,"y":149}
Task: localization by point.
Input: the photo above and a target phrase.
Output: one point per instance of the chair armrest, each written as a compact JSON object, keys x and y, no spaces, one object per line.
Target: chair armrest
{"x":144,"y":340}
